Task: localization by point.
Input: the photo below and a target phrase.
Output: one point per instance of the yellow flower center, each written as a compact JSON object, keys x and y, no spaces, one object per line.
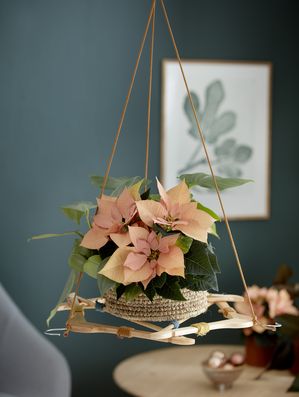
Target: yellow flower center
{"x":154,"y":255}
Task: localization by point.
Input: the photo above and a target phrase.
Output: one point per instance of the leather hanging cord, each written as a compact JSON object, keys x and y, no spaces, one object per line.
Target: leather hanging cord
{"x":235,"y":251}
{"x":68,"y":322}
{"x":127,"y":99}
{"x":149,"y":97}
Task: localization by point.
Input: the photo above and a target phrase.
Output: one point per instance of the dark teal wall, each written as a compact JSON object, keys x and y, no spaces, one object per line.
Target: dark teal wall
{"x":64,"y":71}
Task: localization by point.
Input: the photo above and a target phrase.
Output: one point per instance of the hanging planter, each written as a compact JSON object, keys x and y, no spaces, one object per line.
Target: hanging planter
{"x":149,"y":250}
{"x":159,"y":308}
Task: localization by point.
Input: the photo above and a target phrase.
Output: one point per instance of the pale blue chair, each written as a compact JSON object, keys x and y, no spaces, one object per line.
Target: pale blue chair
{"x":30,"y":366}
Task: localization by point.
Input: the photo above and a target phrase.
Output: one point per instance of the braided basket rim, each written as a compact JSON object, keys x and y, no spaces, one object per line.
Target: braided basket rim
{"x":160,"y":309}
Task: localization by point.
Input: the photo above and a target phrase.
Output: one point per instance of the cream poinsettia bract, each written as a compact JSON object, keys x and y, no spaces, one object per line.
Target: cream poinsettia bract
{"x":176,"y":211}
{"x":112,"y":219}
{"x":150,"y":256}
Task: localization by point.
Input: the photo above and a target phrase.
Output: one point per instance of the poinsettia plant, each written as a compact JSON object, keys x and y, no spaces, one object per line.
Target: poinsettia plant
{"x":270,"y":304}
{"x":276,"y":304}
{"x":143,"y":243}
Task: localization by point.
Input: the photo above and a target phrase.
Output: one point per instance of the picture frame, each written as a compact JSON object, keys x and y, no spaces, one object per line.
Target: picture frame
{"x":233,"y":103}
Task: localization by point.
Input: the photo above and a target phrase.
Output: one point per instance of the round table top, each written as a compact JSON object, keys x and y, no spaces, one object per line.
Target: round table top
{"x":177,"y":372}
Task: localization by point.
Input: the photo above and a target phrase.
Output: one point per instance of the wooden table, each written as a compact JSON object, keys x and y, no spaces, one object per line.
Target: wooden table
{"x":176,"y":372}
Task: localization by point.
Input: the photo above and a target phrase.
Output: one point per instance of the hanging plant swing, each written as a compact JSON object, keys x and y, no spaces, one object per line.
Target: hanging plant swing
{"x":150,"y":253}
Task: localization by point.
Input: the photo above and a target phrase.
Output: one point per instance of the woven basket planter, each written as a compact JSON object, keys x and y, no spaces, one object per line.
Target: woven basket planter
{"x":160,"y":309}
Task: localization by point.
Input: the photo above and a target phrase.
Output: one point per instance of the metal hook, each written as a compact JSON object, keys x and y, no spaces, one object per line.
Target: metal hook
{"x":272,"y":327}
{"x":51,"y":331}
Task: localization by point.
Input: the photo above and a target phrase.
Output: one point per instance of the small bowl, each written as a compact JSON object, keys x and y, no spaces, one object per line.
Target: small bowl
{"x":222,"y":378}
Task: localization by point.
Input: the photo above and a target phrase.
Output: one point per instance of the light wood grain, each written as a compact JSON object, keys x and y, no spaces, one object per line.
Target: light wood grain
{"x":169,"y":334}
{"x":176,"y":372}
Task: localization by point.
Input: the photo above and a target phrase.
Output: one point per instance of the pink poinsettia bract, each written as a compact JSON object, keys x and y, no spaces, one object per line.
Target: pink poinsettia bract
{"x":176,"y":212}
{"x":112,"y":219}
{"x":150,"y":256}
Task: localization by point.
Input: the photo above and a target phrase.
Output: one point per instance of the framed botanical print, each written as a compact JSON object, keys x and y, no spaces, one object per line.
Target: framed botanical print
{"x":233,"y":103}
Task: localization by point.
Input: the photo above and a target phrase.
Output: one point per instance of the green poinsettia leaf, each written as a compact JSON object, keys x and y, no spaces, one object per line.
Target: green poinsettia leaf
{"x":51,"y":235}
{"x":197,"y":260}
{"x":132,"y":291}
{"x":77,"y":210}
{"x":120,"y":290}
{"x":74,"y":215}
{"x":79,"y":256}
{"x":184,"y":243}
{"x":206,"y":181}
{"x":76,"y":262}
{"x":200,"y":283}
{"x":105,"y":284}
{"x":209,"y":282}
{"x":150,"y":290}
{"x":155,"y":197}
{"x":117,"y":185}
{"x":213,"y":259}
{"x":78,"y":249}
{"x":158,"y":282}
{"x":91,"y":266}
{"x":213,"y":231}
{"x":171,"y":290}
{"x":66,"y":291}
{"x":83,"y":206}
{"x":114,"y":183}
{"x":130,"y":182}
{"x":208,"y":211}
